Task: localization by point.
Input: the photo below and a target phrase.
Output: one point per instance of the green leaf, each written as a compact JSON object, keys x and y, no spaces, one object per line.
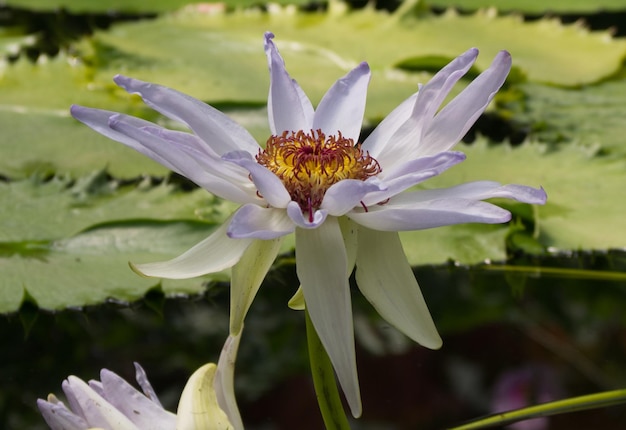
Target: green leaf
{"x":32,"y":210}
{"x":67,"y":243}
{"x":592,"y":116}
{"x":535,"y":6}
{"x":465,"y":244}
{"x":584,"y":207}
{"x":219,"y":58}
{"x":84,"y":6}
{"x":209,"y":45}
{"x":92,"y":266}
{"x":38,"y":133}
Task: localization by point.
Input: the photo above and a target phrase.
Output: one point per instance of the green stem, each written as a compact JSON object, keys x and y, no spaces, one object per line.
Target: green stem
{"x":591,"y":401}
{"x":324,"y":381}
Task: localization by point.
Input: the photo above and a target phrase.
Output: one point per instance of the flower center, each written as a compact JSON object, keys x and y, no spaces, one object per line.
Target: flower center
{"x":310,"y":163}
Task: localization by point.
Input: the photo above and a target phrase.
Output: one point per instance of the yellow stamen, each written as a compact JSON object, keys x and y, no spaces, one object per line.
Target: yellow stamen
{"x":309,"y":163}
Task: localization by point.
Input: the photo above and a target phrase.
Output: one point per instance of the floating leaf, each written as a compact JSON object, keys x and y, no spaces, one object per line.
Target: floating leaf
{"x":35,"y":211}
{"x":108,"y":6}
{"x":585,"y":208}
{"x":219,"y":58}
{"x":208,"y":45}
{"x":591,"y":116}
{"x":92,"y":266}
{"x":535,"y":6}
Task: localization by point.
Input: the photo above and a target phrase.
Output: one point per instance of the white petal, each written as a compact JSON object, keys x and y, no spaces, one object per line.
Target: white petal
{"x":375,"y":143}
{"x":429,"y":214}
{"x":432,"y":95}
{"x":456,"y":118}
{"x":478,"y":190}
{"x":342,"y":107}
{"x":224,"y":381}
{"x":195,"y":147}
{"x":296,"y":215}
{"x":288,"y":107}
{"x":96,"y":410}
{"x":407,"y":139}
{"x":346,"y":194}
{"x":144,"y":383}
{"x":412,"y":172}
{"x":269,"y":185}
{"x":321,"y":265}
{"x":247,"y":276}
{"x":58,"y":417}
{"x":143,"y":412}
{"x":349,"y":232}
{"x":213,"y":254}
{"x":185,"y":162}
{"x":212,"y":126}
{"x":385,"y":278}
{"x":252,"y":221}
{"x":198,"y":408}
{"x":98,"y":120}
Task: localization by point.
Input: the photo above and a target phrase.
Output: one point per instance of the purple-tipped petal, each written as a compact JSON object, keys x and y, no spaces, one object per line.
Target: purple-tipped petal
{"x":143,"y":412}
{"x":96,"y":410}
{"x":98,"y":120}
{"x":429,"y":214}
{"x":214,"y":254}
{"x":345,"y":195}
{"x":378,"y":139}
{"x":342,"y":107}
{"x":142,"y":379}
{"x":296,"y":215}
{"x":269,"y":185}
{"x":321,"y":264}
{"x":456,"y":118}
{"x":255,"y":222}
{"x":412,"y":172}
{"x":479,"y":190}
{"x":288,"y":107}
{"x":386,"y":279}
{"x":58,"y":417}
{"x":212,"y":126}
{"x":217,"y":178}
{"x":391,"y":146}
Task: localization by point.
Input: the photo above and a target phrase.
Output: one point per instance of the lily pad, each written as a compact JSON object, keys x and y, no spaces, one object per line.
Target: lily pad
{"x":585,"y":208}
{"x":32,"y":210}
{"x":535,"y":6}
{"x":136,"y":6}
{"x":204,"y":47}
{"x":592,"y":116}
{"x":92,"y":267}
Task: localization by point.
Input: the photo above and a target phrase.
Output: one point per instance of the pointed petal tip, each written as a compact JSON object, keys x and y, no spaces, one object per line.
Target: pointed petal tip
{"x":79,"y":112}
{"x":356,"y":410}
{"x":135,"y":268}
{"x":471,"y":54}
{"x":122,"y":80}
{"x":542,"y":196}
{"x":504,"y":57}
{"x":435,"y":343}
{"x":268,"y":36}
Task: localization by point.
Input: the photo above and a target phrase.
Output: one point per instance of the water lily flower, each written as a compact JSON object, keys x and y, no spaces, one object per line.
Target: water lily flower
{"x":344,"y":201}
{"x":207,"y":401}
